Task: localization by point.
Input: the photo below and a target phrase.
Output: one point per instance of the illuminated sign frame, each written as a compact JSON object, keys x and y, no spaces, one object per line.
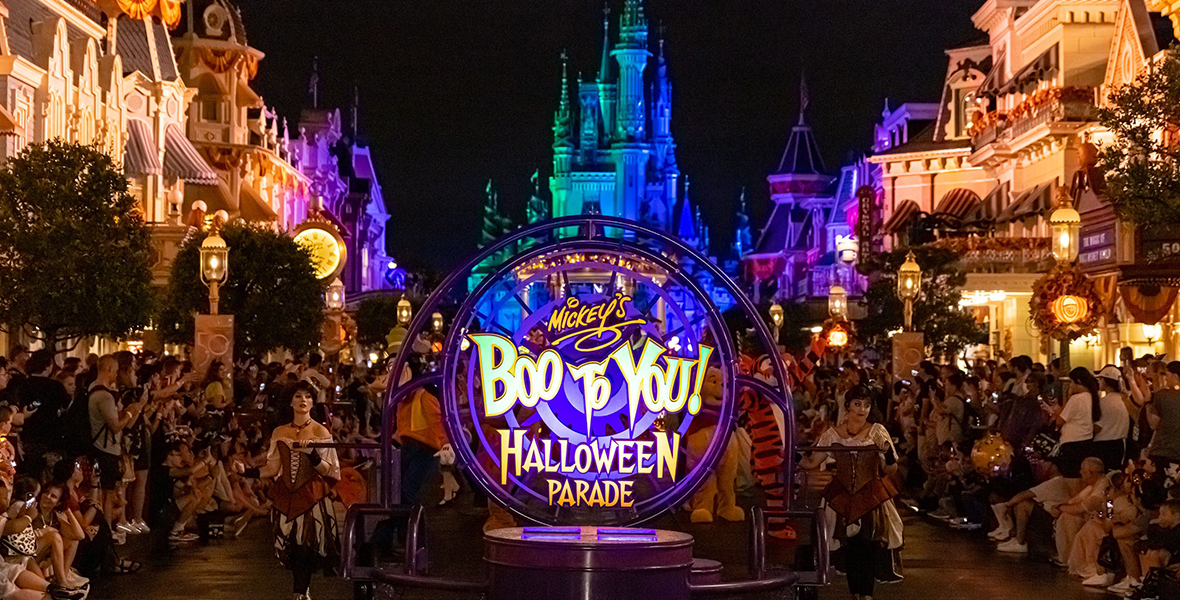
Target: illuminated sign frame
{"x":610,"y":467}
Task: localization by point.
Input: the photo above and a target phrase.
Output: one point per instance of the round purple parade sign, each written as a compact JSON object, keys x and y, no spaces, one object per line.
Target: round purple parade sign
{"x":584,"y":386}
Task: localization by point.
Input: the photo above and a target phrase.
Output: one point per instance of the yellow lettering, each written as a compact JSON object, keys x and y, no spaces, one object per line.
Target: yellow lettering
{"x":491,"y":371}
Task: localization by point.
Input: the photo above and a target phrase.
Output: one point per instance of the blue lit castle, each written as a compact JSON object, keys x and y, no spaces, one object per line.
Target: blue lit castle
{"x":614,"y":153}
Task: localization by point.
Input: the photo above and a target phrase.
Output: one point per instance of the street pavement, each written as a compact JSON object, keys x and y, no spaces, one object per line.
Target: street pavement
{"x":940,"y":563}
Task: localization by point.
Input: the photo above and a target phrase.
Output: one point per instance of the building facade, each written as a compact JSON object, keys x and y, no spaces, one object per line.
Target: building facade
{"x":266,"y":172}
{"x":981,"y":170}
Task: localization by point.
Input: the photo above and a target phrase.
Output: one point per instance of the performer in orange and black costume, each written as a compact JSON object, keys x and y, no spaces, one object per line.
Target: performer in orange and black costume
{"x":304,"y":521}
{"x":862,"y":520}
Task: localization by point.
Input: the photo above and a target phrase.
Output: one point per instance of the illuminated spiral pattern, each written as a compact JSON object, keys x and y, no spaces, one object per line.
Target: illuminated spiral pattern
{"x":1070,"y":309}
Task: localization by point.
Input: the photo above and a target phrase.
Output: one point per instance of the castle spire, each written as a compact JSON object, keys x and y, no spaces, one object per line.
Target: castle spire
{"x":562,"y":123}
{"x":604,"y":67}
{"x":633,"y":20}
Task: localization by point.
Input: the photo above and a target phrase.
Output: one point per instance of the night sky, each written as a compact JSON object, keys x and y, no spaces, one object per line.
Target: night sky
{"x":454,"y":92}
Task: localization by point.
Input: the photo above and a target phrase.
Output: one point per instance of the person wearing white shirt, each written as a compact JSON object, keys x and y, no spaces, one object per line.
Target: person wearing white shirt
{"x":1076,"y":420}
{"x":1113,"y":427}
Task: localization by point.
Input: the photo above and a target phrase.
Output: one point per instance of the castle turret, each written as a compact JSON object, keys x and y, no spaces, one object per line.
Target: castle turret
{"x":606,"y":82}
{"x":563,"y":145}
{"x":630,"y":147}
{"x":664,"y":145}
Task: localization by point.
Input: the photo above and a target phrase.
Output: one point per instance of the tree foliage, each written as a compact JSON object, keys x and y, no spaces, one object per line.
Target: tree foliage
{"x":375,"y":318}
{"x":271,"y":290}
{"x":74,"y":249}
{"x":937,"y":313}
{"x":1142,"y":166}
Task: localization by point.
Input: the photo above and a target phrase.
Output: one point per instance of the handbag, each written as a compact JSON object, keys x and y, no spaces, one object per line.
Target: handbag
{"x":1109,"y":556}
{"x":23,"y":543}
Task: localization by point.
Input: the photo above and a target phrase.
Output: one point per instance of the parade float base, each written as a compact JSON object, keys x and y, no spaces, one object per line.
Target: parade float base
{"x":591,"y":562}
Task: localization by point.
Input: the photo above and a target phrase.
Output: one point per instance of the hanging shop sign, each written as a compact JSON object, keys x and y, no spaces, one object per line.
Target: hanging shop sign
{"x":591,"y":386}
{"x":866,"y":203}
{"x":1097,"y":246}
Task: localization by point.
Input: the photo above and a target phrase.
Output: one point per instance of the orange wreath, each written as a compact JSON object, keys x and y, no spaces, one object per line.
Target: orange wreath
{"x":1084,"y":310}
{"x":138,"y":9}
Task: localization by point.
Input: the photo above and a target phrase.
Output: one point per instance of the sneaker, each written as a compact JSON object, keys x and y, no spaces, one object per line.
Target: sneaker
{"x":75,"y":579}
{"x":126,"y":528}
{"x":1123,"y":586}
{"x":1012,"y":547}
{"x":140,"y":525}
{"x":58,"y":592}
{"x":119,"y":537}
{"x":182,"y":537}
{"x":941,"y":515}
{"x":1103,"y":580}
{"x":999,"y":534}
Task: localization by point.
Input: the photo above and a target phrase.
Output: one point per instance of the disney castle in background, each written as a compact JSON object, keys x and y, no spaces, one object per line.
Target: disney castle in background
{"x":613,"y":152}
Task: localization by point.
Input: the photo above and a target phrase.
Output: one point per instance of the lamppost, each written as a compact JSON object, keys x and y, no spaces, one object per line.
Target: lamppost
{"x":214,"y":266}
{"x":214,"y":332}
{"x":397,"y":336}
{"x":1065,"y":224}
{"x":331,"y":338}
{"x":909,"y":347}
{"x":776,"y":318}
{"x":909,"y":282}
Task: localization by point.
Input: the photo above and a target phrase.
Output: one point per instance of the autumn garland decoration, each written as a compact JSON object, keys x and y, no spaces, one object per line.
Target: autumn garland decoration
{"x":1058,"y":283}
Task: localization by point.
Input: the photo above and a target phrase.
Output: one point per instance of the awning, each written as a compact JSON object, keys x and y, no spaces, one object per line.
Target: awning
{"x":902,"y":215}
{"x":140,"y":156}
{"x":182,"y":161}
{"x":958,"y":203}
{"x":8,"y":125}
{"x":992,"y":81}
{"x":1033,"y":201}
{"x":991,"y":204}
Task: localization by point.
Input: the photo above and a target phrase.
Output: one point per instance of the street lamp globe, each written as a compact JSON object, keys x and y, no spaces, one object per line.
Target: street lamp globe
{"x":837,"y":301}
{"x":776,"y":314}
{"x":436,"y":321}
{"x":846,"y":250}
{"x":404,"y":311}
{"x":909,"y":278}
{"x":334,"y":297}
{"x":1065,"y":224}
{"x":214,"y":259}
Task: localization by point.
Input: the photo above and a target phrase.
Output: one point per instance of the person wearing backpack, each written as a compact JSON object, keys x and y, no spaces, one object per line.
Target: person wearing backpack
{"x":107,"y":423}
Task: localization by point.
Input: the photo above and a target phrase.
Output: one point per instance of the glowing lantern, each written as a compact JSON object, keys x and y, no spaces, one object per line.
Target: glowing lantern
{"x":1070,"y":309}
{"x":837,"y":337}
{"x":1065,"y":223}
{"x":837,"y":301}
{"x":436,"y":321}
{"x":404,"y":311}
{"x":776,"y":314}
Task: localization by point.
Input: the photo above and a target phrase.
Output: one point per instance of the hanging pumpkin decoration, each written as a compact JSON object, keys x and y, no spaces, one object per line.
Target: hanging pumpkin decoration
{"x":170,"y":12}
{"x":1065,"y":304}
{"x":139,"y":9}
{"x":1069,"y":308}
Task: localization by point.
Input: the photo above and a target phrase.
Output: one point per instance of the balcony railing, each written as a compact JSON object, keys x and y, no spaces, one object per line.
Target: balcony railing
{"x":1001,"y":255}
{"x":1052,"y":105}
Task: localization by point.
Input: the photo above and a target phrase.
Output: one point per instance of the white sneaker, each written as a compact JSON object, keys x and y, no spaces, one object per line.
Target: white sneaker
{"x":1102,"y":580}
{"x":1123,"y":586}
{"x":75,"y":580}
{"x":1012,"y":547}
{"x":126,"y":528}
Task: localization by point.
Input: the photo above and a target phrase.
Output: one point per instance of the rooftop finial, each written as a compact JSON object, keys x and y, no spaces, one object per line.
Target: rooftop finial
{"x":313,"y":82}
{"x":804,"y":95}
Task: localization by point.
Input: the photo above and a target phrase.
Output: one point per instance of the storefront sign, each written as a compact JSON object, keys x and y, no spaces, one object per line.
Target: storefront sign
{"x":591,"y":402}
{"x":1097,"y":246}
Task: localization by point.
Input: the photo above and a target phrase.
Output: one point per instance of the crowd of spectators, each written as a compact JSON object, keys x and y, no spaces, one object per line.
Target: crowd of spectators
{"x":97,"y":451}
{"x":1074,"y":466}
